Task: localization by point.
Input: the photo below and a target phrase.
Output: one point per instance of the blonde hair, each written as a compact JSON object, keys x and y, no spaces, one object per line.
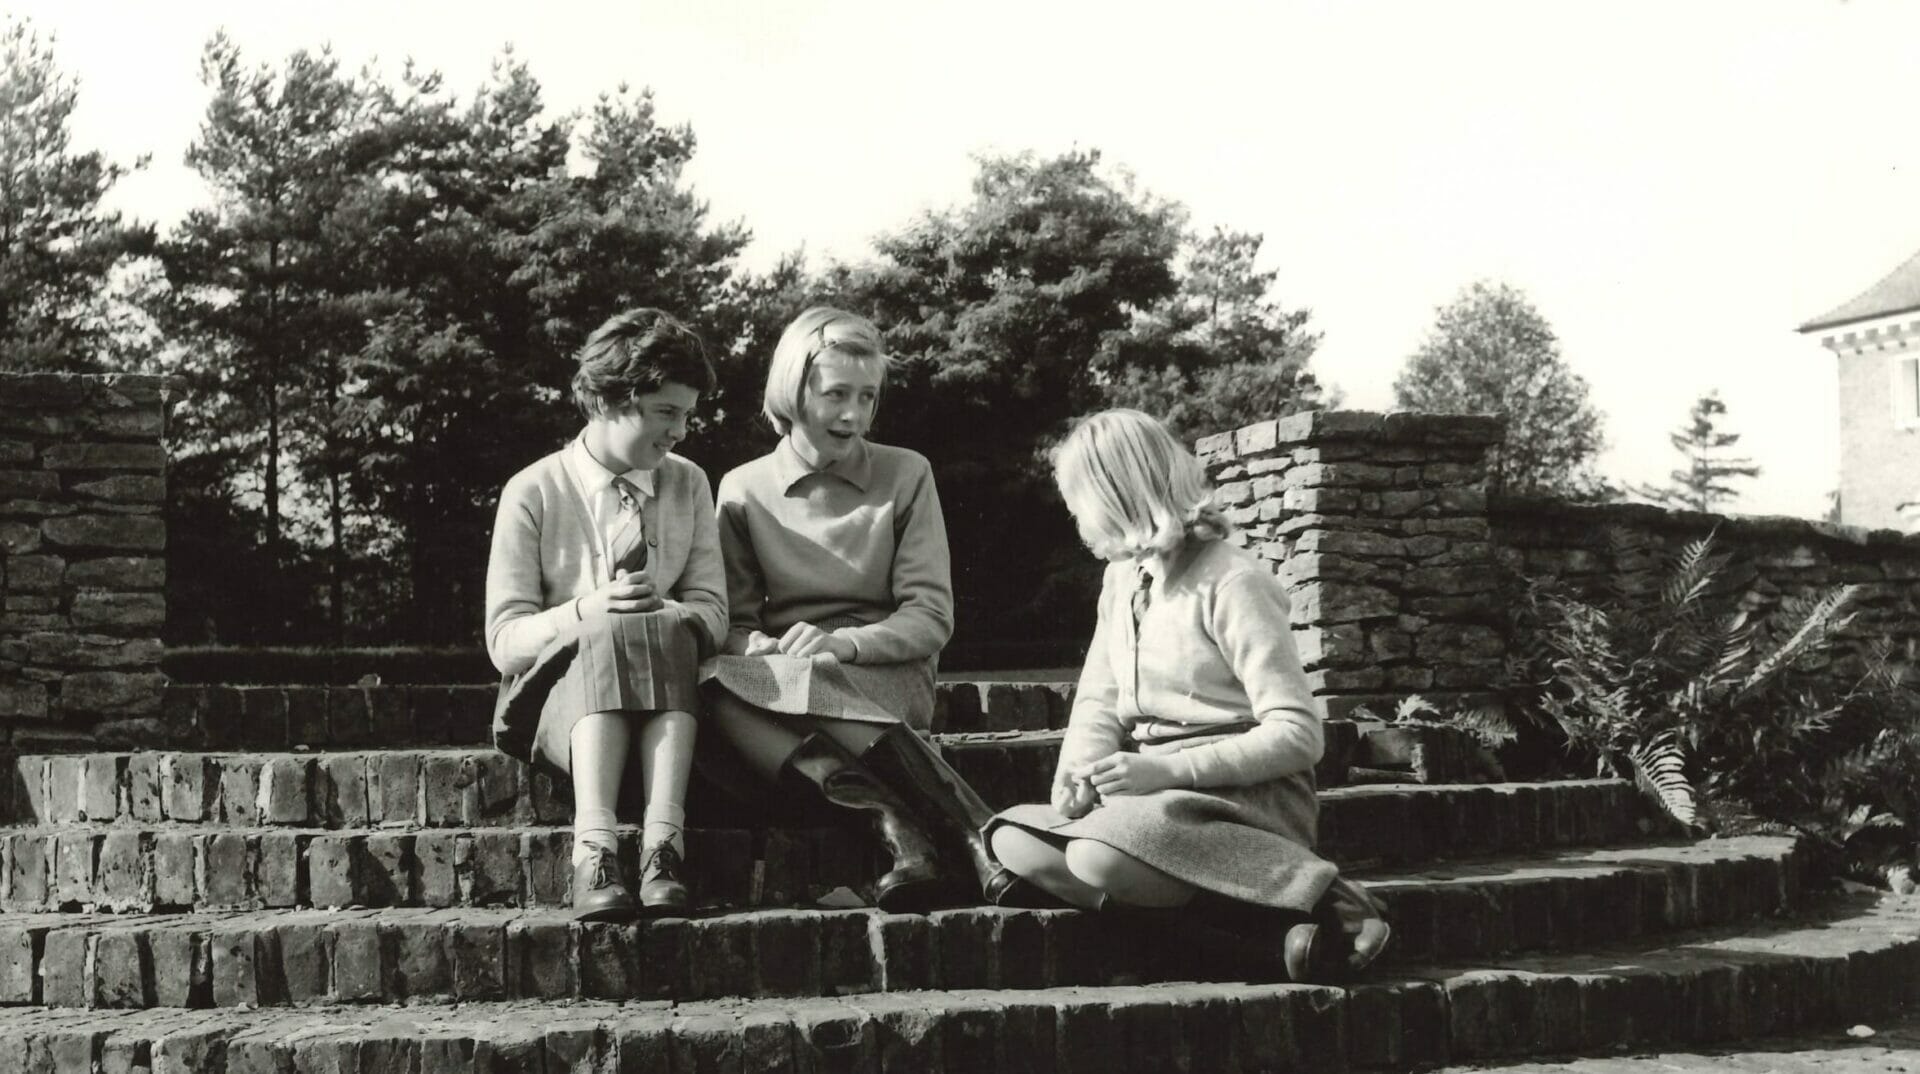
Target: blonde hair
{"x":1133,"y":489}
{"x":813,"y":333}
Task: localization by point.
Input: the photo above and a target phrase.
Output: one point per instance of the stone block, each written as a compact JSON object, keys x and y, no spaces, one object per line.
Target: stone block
{"x":358,"y":964}
{"x":138,"y":533}
{"x":106,"y":608}
{"x":176,"y":856}
{"x":121,"y":972}
{"x":340,"y":789}
{"x":349,"y":723}
{"x":63,"y":968}
{"x":73,"y":865}
{"x":478,"y":962}
{"x":19,"y":538}
{"x":126,"y":488}
{"x":389,"y":873}
{"x":23,"y":700}
{"x":19,"y":947}
{"x":229,"y":861}
{"x":125,"y":879}
{"x":438,"y":881}
{"x":284,"y":782}
{"x":150,"y":458}
{"x":307,"y":715}
{"x":277,"y":869}
{"x":239,"y":789}
{"x":334,"y":871}
{"x":118,"y":572}
{"x":112,"y":693}
{"x":31,"y":574}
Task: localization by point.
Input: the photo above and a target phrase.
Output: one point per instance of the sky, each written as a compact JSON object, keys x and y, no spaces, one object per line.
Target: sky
{"x":1675,"y":186}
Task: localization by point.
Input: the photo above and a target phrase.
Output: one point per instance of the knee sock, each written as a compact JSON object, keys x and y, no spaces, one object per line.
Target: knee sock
{"x":662,"y":824}
{"x":593,"y":828}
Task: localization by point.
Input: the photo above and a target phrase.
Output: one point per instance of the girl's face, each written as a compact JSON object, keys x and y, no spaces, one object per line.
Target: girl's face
{"x":638,"y":437}
{"x":837,"y":406}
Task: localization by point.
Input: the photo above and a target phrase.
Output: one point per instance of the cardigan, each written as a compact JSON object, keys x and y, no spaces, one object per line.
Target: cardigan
{"x":544,"y":555}
{"x":1213,"y":655}
{"x":861,"y":540}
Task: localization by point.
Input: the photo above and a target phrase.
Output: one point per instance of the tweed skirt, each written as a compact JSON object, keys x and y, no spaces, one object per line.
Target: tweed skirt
{"x":1250,"y":843}
{"x":800,"y":688}
{"x":634,"y":662}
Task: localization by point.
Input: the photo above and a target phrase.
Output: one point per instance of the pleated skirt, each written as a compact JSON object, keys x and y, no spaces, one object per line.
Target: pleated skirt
{"x":1249,"y":843}
{"x":801,"y":688}
{"x":637,"y":662}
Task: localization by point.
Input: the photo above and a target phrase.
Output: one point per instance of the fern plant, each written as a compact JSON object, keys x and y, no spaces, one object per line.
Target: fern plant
{"x":1670,"y":681}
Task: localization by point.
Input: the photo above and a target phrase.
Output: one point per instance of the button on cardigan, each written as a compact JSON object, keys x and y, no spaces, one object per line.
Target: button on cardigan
{"x":862,"y":539}
{"x":1213,"y":649}
{"x":544,"y":555}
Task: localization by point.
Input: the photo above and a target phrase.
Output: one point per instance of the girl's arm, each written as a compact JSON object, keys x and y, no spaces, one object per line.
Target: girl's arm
{"x":519,"y":625}
{"x":922,"y":618}
{"x":701,"y":591}
{"x":1249,"y":623}
{"x":746,"y":587}
{"x":1094,"y":729}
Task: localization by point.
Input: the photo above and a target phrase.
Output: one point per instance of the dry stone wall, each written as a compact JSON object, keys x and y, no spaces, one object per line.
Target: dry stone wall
{"x":83,"y":539}
{"x":1377,"y":523}
{"x":1774,"y":559}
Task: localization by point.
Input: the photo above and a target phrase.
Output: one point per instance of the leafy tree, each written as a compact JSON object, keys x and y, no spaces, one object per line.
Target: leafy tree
{"x":1704,"y":483}
{"x":58,"y":247}
{"x":1490,"y":351}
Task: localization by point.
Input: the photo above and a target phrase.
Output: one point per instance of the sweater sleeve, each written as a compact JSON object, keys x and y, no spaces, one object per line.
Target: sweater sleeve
{"x":922,"y":618}
{"x":1249,"y":624}
{"x":519,"y":624}
{"x":701,"y":590}
{"x":1094,"y":729}
{"x":746,"y":585}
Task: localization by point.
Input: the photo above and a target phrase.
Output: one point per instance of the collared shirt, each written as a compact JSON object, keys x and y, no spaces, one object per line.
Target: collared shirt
{"x":596,"y":487}
{"x":790,"y":469}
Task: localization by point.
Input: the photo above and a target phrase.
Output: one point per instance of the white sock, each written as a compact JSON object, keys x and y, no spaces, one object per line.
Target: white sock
{"x":593,"y":828}
{"x":662,"y":824}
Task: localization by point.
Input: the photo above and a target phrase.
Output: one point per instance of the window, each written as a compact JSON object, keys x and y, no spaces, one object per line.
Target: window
{"x":1906,"y":391}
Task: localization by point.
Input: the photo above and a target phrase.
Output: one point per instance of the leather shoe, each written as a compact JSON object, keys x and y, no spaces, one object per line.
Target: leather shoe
{"x":661,"y":890}
{"x":598,"y":894}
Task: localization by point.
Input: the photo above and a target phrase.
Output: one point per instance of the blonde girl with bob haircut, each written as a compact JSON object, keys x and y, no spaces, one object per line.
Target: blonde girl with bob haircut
{"x":841,"y":597}
{"x":1186,"y":776}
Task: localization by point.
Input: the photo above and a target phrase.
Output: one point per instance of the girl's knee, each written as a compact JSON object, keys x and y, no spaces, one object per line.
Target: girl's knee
{"x":1018,"y":850}
{"x":1099,"y":865}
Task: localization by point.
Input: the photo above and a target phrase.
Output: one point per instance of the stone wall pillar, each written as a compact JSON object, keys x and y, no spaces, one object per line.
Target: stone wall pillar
{"x":1377,"y":523}
{"x":83,"y":535}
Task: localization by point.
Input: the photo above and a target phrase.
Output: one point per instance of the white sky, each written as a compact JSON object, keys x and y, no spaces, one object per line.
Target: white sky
{"x":1675,"y":185}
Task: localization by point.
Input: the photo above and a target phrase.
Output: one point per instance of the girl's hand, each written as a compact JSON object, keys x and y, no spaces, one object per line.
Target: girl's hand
{"x":629,"y":591}
{"x":1133,"y":773}
{"x":1073,"y":795}
{"x":805,"y":639}
{"x":759,"y":644}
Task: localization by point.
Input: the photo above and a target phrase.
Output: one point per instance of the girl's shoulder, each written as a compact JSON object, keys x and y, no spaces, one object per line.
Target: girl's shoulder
{"x":680,"y":471}
{"x":537,"y":478}
{"x":1222,"y":565}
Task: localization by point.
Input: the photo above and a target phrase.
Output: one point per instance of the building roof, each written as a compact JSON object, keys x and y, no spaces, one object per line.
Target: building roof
{"x":1897,"y":292}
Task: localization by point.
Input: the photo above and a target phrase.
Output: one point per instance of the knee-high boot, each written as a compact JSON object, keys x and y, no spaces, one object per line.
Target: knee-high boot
{"x":946,"y":801}
{"x":913,"y":884}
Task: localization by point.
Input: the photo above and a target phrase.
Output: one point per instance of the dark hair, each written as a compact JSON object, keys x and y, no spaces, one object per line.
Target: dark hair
{"x":637,"y":352}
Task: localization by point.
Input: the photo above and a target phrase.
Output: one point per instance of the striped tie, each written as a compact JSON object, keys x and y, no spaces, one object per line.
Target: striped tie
{"x":628,"y":549}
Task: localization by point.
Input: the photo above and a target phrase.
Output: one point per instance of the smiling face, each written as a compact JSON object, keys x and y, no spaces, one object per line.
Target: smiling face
{"x":837,"y":406}
{"x":638,"y":437}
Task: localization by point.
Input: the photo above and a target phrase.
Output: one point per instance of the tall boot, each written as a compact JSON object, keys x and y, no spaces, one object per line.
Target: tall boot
{"x":948,"y":802}
{"x":913,"y":884}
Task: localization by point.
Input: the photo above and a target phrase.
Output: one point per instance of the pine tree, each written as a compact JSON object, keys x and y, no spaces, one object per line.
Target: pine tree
{"x":58,"y":247}
{"x":1704,"y":483}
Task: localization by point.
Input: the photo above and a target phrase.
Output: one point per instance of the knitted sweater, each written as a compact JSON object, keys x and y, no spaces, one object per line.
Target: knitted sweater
{"x":1211,"y":674}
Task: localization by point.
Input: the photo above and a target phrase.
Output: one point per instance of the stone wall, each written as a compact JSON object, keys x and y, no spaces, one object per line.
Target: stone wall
{"x":1377,"y":523}
{"x":82,"y":543}
{"x":1774,"y":558}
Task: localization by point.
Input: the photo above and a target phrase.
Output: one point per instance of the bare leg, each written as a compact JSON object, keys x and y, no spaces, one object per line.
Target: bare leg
{"x":1045,"y":865}
{"x":599,"y":742}
{"x":1126,"y":878}
{"x":664,"y":749}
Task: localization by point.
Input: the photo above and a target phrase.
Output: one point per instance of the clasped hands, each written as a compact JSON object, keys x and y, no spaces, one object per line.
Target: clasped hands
{"x":628,"y":592}
{"x":1078,"y":788}
{"x":803,"y":640}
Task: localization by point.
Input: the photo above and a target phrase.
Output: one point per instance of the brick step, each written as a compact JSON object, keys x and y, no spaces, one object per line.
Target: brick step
{"x":1483,"y":910}
{"x":463,"y":787}
{"x":200,"y":716}
{"x":1855,"y":962}
{"x":128,"y":868}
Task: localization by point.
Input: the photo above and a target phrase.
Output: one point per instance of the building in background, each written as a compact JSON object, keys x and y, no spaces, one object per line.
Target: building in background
{"x":1876,"y":339}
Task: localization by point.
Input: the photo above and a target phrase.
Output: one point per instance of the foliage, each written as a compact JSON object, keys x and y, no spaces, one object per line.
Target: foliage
{"x":59,"y":249}
{"x":1491,"y":352}
{"x":1719,"y":713}
{"x":1704,"y":483}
